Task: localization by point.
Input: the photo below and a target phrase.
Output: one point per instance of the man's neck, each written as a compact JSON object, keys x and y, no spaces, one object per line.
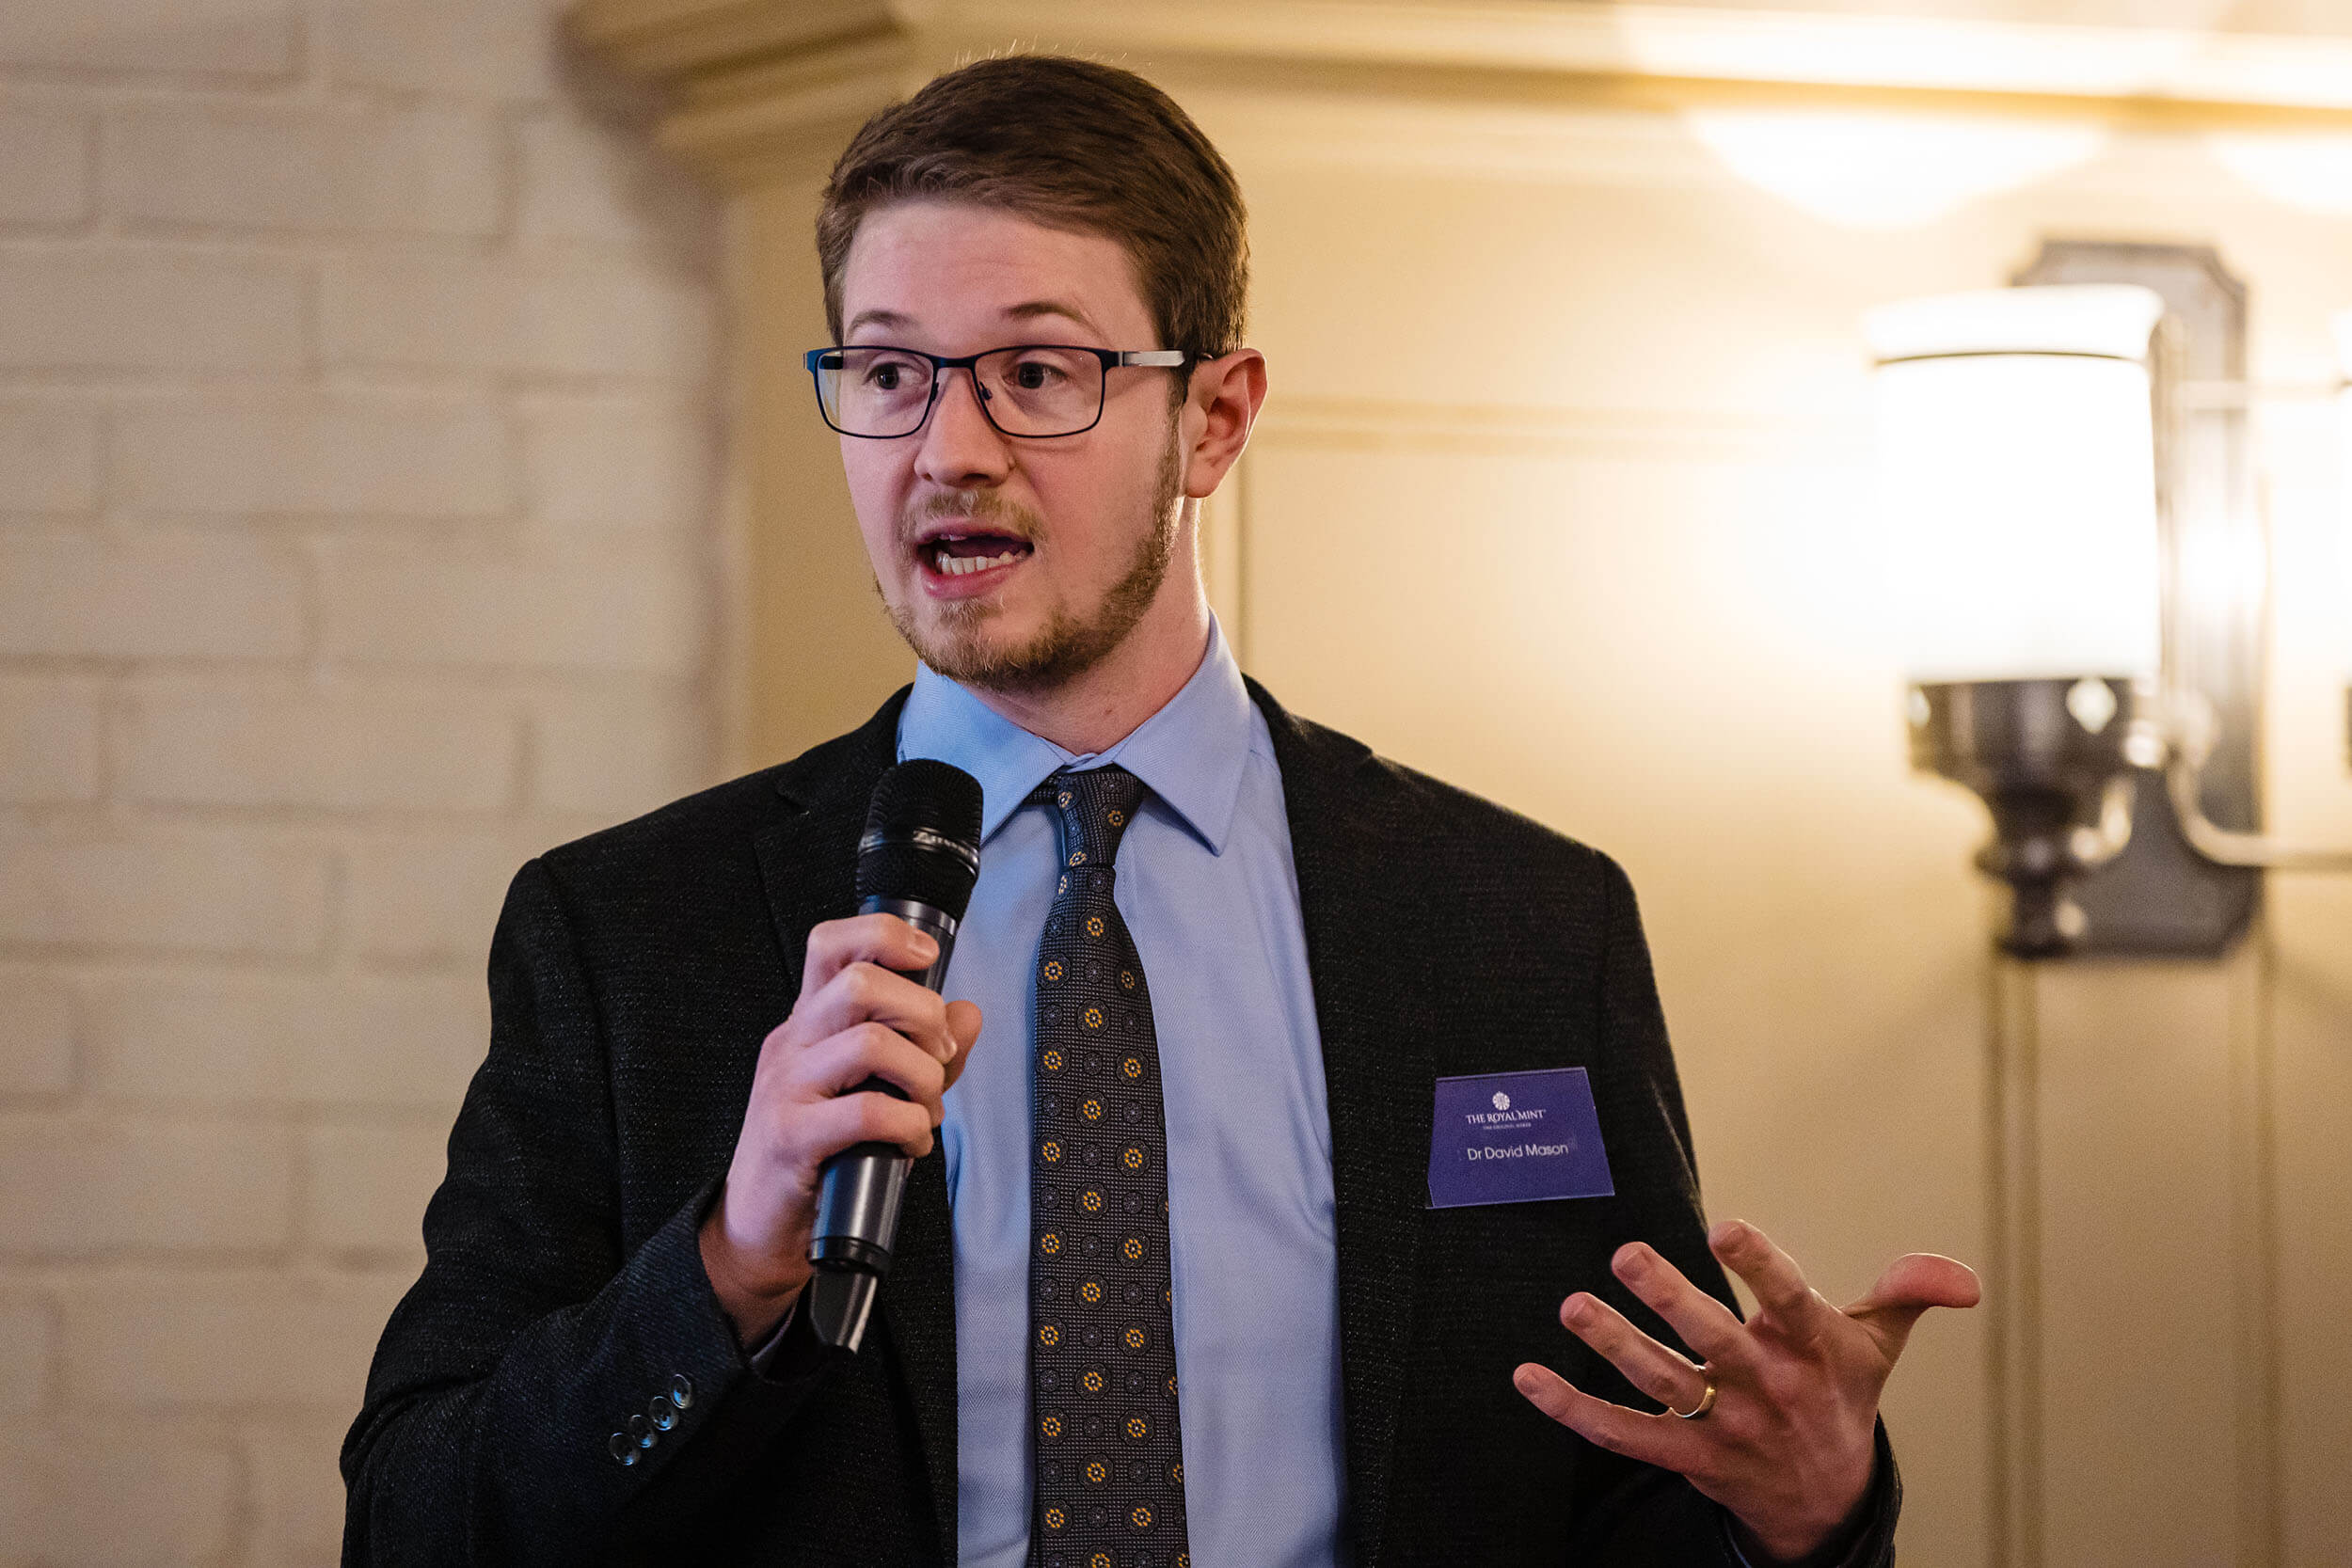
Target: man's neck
{"x":1103,"y":704}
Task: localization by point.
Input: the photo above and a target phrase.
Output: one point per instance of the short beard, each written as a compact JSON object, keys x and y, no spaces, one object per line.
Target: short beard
{"x":1065,"y":647}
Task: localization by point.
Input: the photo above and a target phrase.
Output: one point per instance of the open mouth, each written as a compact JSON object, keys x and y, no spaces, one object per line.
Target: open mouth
{"x":967,"y":554}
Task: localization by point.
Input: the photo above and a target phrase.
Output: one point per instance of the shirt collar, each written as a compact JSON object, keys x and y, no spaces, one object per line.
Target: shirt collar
{"x":1190,"y":753}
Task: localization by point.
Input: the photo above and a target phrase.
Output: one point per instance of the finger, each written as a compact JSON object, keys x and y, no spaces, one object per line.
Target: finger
{"x":1659,"y":1440}
{"x":1910,"y":1285}
{"x":831,"y":1126}
{"x":1795,"y":1308}
{"x":835,"y":1067}
{"x":881,"y":940}
{"x":1664,"y":1376}
{"x":863,"y":992}
{"x":963,"y":1024}
{"x":1705,"y":1325}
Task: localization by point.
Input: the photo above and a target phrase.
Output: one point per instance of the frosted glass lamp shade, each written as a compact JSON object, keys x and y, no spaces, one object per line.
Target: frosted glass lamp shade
{"x":2016,"y":475}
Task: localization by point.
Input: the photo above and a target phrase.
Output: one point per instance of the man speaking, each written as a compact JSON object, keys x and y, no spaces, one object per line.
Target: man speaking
{"x":1277,"y":1097}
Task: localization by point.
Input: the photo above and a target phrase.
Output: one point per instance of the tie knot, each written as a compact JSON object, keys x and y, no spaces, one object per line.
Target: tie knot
{"x":1094,"y":808}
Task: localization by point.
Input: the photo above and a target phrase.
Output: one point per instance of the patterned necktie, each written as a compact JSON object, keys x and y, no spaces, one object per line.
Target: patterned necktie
{"x":1110,"y":1460}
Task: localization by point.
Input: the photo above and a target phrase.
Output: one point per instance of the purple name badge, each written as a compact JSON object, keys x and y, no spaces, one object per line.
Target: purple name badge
{"x":1516,"y":1137}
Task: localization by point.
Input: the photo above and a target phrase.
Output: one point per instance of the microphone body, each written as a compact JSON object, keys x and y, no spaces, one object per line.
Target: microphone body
{"x":918,"y":860}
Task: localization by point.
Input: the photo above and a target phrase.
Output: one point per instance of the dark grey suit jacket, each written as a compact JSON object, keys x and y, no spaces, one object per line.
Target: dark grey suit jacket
{"x":634,"y":974}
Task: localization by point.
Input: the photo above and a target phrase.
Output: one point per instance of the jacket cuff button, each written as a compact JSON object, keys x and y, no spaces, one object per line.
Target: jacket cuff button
{"x":622,"y":1450}
{"x":662,"y":1412}
{"x":682,"y":1392}
{"x":641,"y":1432}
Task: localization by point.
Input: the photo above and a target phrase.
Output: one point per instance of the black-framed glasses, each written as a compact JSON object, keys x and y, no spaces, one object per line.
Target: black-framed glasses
{"x":1029,"y":390}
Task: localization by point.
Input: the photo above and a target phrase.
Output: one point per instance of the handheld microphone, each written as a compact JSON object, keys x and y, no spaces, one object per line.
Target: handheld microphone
{"x":918,"y":860}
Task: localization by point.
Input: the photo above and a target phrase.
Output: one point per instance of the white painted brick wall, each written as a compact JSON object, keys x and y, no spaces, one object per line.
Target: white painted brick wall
{"x":48,"y":454}
{"x":344,"y":454}
{"x":357,"y":542}
{"x":116,"y":307}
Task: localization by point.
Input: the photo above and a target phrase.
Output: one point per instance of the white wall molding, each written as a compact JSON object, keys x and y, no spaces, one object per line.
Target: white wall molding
{"x":696,"y":44}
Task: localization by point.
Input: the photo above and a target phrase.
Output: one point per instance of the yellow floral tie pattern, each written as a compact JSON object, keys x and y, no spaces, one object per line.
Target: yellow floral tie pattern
{"x":1109,"y":1482}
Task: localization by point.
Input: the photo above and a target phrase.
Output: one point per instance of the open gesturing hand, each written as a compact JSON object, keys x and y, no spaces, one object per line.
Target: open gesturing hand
{"x":1788,"y":1444}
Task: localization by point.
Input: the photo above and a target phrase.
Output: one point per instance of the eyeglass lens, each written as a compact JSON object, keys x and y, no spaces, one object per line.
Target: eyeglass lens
{"x":1026,"y":391}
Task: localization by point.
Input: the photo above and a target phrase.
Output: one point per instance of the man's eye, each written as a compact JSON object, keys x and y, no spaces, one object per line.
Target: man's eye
{"x":885,"y":376}
{"x":1034,"y":375}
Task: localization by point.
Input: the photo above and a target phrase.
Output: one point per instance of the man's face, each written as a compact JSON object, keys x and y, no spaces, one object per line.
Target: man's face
{"x":1010,"y":563}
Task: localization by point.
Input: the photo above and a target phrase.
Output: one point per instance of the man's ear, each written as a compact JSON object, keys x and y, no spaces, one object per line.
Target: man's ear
{"x":1220,"y":405}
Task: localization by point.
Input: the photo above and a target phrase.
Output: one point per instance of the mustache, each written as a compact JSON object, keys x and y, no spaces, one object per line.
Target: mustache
{"x":999,"y":515}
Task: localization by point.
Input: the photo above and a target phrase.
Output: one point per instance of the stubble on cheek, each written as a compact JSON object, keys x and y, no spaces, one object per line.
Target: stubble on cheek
{"x":957,"y":639}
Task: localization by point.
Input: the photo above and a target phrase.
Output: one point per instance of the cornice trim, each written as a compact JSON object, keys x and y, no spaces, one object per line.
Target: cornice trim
{"x":674,"y":42}
{"x":1702,"y":44}
{"x":756,"y":82}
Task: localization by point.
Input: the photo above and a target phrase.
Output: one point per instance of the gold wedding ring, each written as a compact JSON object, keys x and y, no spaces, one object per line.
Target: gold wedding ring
{"x":1707,"y":1400}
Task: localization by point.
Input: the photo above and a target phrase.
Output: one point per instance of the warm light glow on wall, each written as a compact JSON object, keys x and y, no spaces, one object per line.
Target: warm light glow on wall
{"x":2309,"y":172}
{"x":2016,"y":475}
{"x":1870,"y":170}
{"x":2344,"y":479}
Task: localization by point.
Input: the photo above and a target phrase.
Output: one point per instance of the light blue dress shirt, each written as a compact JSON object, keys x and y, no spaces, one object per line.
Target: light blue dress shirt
{"x":1208,"y":890}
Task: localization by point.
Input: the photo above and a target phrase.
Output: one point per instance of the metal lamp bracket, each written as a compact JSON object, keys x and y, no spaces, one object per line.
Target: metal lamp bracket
{"x":2162,"y":895}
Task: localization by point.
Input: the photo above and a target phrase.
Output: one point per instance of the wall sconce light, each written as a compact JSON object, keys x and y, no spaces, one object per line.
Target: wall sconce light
{"x":2084,"y":589}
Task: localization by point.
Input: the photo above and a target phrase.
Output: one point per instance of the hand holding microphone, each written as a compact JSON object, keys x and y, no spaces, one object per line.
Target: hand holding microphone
{"x":866,"y":1030}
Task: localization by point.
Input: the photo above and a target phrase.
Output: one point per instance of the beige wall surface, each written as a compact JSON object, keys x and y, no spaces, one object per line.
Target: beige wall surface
{"x":358,"y":441}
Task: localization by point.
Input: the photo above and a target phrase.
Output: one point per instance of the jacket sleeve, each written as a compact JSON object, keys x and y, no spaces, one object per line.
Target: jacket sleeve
{"x":541,"y":1395}
{"x":1635,"y":1515}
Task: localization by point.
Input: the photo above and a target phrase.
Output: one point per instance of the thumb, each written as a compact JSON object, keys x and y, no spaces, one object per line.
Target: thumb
{"x":1910,"y":1285}
{"x":963,"y":1023}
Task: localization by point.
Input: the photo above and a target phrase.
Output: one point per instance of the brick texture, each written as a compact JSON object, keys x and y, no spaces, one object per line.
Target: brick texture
{"x":367,"y":1186}
{"x":186,"y":38}
{"x":596,"y":751}
{"x":223,"y":894}
{"x":153,"y":596}
{"x":45,"y":166}
{"x":127,"y":1492}
{"x":37,"y":1035}
{"x":271,"y":1040}
{"x":357,"y":543}
{"x":48,"y":454}
{"x":224,"y":1337}
{"x":348,"y":455}
{"x":75,"y":1186}
{"x":429,"y":897}
{"x":552,"y":610}
{"x":48,"y":739}
{"x":504,"y":51}
{"x":570,"y":319}
{"x":367,"y":748}
{"x":29,"y":1346}
{"x":419,"y":172}
{"x":592,"y":465}
{"x":297,"y":1493}
{"x":105,"y":308}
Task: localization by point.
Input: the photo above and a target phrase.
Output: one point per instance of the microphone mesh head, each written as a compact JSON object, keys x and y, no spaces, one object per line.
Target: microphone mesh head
{"x":918,"y":800}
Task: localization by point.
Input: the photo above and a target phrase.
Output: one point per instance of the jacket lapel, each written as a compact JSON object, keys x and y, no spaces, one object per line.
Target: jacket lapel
{"x":1377,"y":1077}
{"x":808,"y":864}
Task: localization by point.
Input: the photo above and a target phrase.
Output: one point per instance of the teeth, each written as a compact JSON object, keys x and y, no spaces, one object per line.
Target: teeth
{"x":956,"y":566}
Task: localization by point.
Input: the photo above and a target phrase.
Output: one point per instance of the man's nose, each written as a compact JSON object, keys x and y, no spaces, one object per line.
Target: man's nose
{"x":959,"y":447}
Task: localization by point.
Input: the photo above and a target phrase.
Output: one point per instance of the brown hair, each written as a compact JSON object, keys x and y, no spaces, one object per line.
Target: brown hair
{"x":1072,"y":145}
